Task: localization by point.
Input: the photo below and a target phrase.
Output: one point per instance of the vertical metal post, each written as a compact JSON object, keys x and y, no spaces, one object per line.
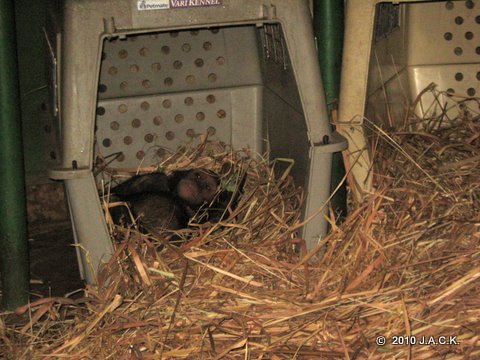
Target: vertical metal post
{"x":328,"y":23}
{"x":13,"y":225}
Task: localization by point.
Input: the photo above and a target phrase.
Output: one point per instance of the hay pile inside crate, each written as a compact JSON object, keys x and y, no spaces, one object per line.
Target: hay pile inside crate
{"x":406,"y":262}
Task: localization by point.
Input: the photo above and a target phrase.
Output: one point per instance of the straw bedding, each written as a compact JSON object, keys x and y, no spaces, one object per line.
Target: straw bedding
{"x":405,"y":265}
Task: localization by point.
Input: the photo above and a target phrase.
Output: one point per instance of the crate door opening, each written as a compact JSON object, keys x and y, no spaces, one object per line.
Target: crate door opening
{"x":158,"y":91}
{"x":134,"y":85}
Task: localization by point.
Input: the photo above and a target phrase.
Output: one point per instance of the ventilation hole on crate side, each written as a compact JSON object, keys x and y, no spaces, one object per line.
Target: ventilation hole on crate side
{"x":165,"y":50}
{"x":136,"y":123}
{"x":145,"y":106}
{"x":220,"y":60}
{"x":207,"y":45}
{"x":112,"y":70}
{"x":449,"y":5}
{"x":167,"y":104}
{"x":144,"y":51}
{"x":200,"y":116}
{"x":469,"y":35}
{"x":477,"y":19}
{"x":168,"y":81}
{"x":122,"y":54}
{"x":194,"y":32}
{"x":173,"y":34}
{"x":107,"y":142}
{"x":471,"y":92}
{"x":477,"y":50}
{"x":177,"y":64}
{"x":170,"y":135}
{"x":190,"y":79}
{"x":179,"y":118}
{"x":190,"y":133}
{"x":122,"y":108}
{"x":459,"y":20}
{"x":469,"y":4}
{"x":211,"y":99}
{"x":215,"y":30}
{"x":124,"y":85}
{"x":114,"y":125}
{"x":127,"y":140}
{"x":140,"y":155}
{"x":478,"y":75}
{"x":100,"y":110}
{"x":160,"y":152}
{"x":188,"y":101}
{"x":448,"y":36}
{"x":221,"y":114}
{"x":157,"y":120}
{"x":47,"y":129}
{"x":149,"y":138}
{"x":53,"y":155}
{"x":146,"y":84}
{"x":102,"y":88}
{"x":134,"y":68}
{"x":459,"y":76}
{"x":458,"y":51}
{"x":156,"y":67}
{"x":212,"y":77}
{"x":450,"y":91}
{"x":121,"y":158}
{"x":211,"y":131}
{"x":198,"y":62}
{"x":186,"y":47}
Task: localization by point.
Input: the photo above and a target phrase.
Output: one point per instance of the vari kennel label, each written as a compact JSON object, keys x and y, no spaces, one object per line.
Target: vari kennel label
{"x":175,"y":4}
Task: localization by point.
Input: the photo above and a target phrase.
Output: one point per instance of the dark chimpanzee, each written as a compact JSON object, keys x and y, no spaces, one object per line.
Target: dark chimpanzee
{"x":160,"y":202}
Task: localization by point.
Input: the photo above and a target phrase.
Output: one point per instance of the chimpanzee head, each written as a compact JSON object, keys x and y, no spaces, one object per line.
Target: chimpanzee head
{"x":197,"y":186}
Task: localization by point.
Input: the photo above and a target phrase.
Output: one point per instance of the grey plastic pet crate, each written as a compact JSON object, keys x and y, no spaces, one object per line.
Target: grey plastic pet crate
{"x":133,"y":77}
{"x":393,"y":50}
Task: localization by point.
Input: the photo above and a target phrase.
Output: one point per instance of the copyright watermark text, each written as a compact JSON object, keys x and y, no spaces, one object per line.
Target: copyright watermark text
{"x":416,"y":340}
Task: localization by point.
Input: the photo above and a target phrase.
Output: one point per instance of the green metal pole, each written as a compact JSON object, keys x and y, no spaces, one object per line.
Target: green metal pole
{"x":13,"y":225}
{"x":328,"y":23}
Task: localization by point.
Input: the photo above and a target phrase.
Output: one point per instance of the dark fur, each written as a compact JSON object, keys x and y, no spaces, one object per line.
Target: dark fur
{"x":148,"y":183}
{"x":160,"y":202}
